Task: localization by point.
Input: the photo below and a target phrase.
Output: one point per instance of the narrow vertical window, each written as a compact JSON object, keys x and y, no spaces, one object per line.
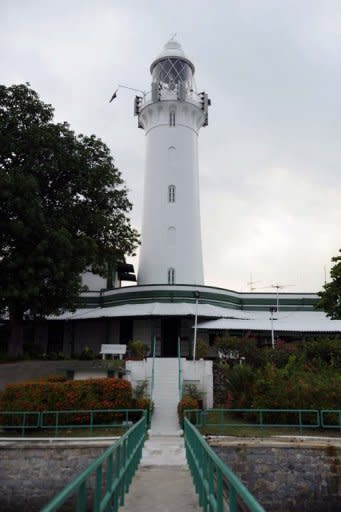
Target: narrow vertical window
{"x":171,"y":156}
{"x":171,"y":194}
{"x":171,"y":275}
{"x":172,"y":118}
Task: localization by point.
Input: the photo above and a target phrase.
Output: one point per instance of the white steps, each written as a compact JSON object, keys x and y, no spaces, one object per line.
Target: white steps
{"x":166,"y":397}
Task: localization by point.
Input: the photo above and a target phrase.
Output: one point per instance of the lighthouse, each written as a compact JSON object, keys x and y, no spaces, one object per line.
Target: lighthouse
{"x":171,"y":115}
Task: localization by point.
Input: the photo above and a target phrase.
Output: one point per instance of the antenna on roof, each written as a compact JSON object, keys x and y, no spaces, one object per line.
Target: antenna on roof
{"x":279,"y":287}
{"x":251,"y":284}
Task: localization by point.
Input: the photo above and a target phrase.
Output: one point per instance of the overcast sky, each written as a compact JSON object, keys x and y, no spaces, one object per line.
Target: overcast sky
{"x":270,"y":158}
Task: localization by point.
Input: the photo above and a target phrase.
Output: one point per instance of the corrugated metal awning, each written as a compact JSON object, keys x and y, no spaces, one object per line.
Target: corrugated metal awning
{"x":296,"y":321}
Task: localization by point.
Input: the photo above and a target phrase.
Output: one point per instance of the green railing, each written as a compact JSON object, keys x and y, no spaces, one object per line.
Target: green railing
{"x":20,"y":420}
{"x":102,"y":486}
{"x":222,"y":419}
{"x":180,"y":369}
{"x":217,"y":486}
{"x":331,"y":418}
{"x":151,"y":406}
{"x":57,"y":420}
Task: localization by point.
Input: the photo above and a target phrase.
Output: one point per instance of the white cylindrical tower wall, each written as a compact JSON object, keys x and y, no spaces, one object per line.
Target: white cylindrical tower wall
{"x":171,"y":250}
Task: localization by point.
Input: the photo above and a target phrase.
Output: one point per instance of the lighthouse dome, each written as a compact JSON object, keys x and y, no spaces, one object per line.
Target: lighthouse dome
{"x":172,"y":49}
{"x":172,"y":66}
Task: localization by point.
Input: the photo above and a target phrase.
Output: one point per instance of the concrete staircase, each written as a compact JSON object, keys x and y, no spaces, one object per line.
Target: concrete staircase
{"x":166,"y":397}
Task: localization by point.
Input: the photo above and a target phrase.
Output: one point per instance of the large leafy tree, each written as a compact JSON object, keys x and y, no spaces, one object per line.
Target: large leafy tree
{"x":330,"y":300}
{"x":63,"y":209}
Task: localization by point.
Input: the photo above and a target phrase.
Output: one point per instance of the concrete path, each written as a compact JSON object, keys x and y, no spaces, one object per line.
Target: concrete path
{"x":164,"y":451}
{"x":161,"y":489}
{"x":163,"y":482}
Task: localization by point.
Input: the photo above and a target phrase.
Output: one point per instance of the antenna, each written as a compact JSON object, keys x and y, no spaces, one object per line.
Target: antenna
{"x":251,"y":284}
{"x":279,"y":287}
{"x":173,"y":36}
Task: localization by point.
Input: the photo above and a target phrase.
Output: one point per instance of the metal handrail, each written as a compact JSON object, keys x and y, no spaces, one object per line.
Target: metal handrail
{"x":28,"y":420}
{"x":215,"y":483}
{"x":203,"y":418}
{"x":328,"y":415}
{"x":179,"y":369}
{"x":151,"y":405}
{"x":112,"y":471}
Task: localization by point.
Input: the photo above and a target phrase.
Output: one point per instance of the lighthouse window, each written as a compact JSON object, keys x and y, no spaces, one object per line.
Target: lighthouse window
{"x":172,"y":118}
{"x":171,"y":194}
{"x":171,"y":236}
{"x":171,"y":275}
{"x":171,"y":71}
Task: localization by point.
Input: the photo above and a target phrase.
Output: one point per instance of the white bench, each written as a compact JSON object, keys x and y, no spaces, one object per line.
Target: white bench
{"x":113,"y":350}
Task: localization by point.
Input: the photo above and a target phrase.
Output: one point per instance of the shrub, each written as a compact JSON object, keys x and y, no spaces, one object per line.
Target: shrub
{"x":324,"y":351}
{"x":45,"y":395}
{"x":297,"y":388}
{"x":239,"y":384}
{"x":235,"y":348}
{"x":55,"y":378}
{"x":186,"y":403}
{"x":140,"y":403}
{"x":87,"y":354}
{"x":138,"y":349}
{"x":141,"y":389}
{"x":202,"y":349}
{"x":192,"y":391}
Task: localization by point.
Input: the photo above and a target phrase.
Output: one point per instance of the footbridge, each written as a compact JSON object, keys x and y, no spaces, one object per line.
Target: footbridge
{"x":156,"y":473}
{"x":164,"y":469}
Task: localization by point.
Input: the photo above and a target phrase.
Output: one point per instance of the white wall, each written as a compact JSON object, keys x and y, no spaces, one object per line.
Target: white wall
{"x":196,"y":372}
{"x":171,"y":231}
{"x":200,"y":373}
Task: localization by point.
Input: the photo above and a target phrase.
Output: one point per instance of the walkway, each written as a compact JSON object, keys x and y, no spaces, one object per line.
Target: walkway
{"x":163,"y":482}
{"x":166,"y":397}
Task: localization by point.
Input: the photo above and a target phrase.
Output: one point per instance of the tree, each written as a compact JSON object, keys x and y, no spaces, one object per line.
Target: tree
{"x":63,"y":209}
{"x":330,"y":300}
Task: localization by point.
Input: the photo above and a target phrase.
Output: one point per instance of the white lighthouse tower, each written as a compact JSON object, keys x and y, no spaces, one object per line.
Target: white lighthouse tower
{"x":171,"y":115}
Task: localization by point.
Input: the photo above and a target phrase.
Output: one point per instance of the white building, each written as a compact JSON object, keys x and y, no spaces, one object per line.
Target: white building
{"x":170,"y":294}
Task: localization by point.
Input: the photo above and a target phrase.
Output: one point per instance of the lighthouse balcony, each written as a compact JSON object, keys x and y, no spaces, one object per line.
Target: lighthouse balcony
{"x":168,"y":94}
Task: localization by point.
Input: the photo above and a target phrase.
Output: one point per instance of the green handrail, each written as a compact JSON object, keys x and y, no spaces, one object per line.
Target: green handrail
{"x":331,"y":418}
{"x":261,"y":418}
{"x":25,"y":420}
{"x":112,"y":473}
{"x":215,"y":483}
{"x":180,"y":369}
{"x":83,"y":418}
{"x":151,"y":405}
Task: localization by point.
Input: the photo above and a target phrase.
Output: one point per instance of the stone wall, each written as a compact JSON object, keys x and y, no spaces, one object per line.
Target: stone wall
{"x":297,"y":476}
{"x":31,"y":474}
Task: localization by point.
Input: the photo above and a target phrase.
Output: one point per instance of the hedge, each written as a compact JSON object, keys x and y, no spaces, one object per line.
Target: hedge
{"x":187,"y":402}
{"x":54,"y":395}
